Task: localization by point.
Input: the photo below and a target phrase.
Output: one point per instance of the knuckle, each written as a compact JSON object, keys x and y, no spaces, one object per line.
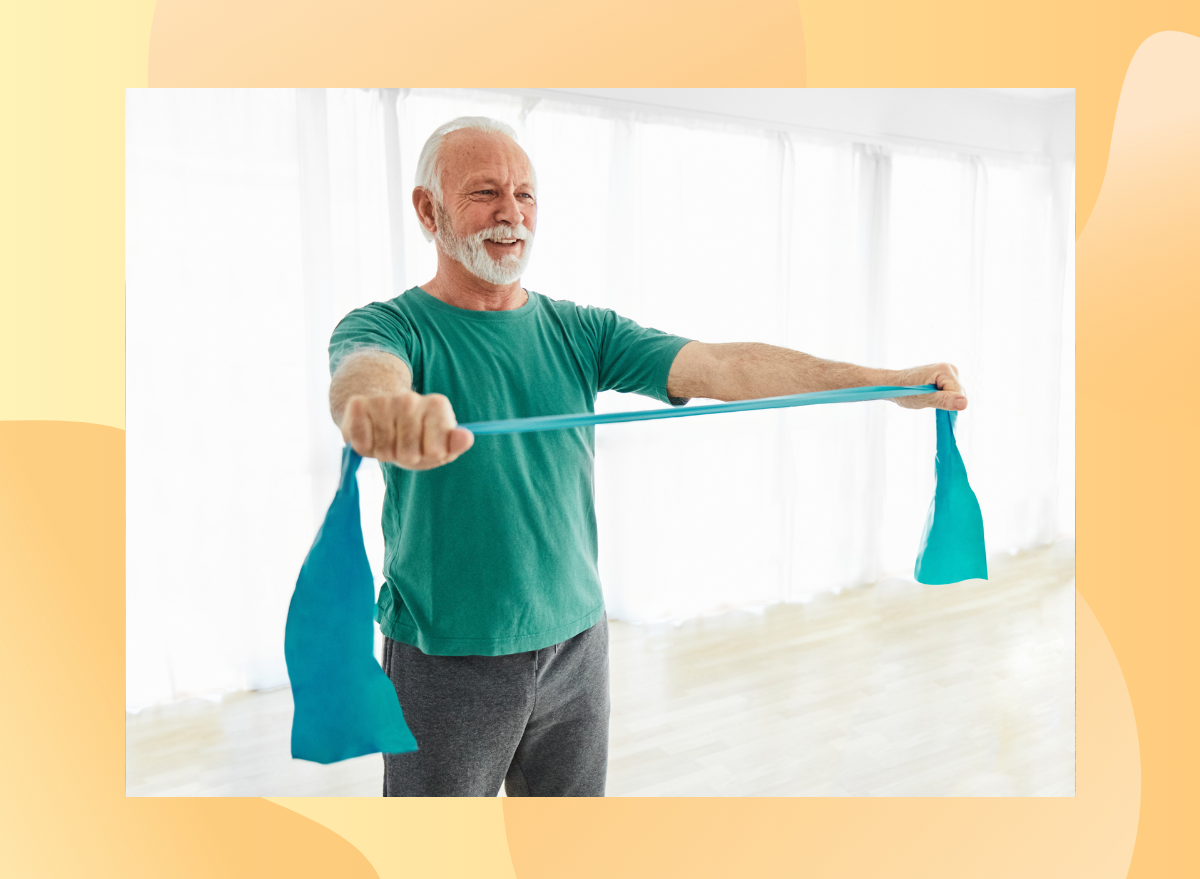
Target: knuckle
{"x":439,"y":405}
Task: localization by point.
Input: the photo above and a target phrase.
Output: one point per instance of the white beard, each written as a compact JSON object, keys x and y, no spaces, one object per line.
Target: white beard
{"x":473,"y":256}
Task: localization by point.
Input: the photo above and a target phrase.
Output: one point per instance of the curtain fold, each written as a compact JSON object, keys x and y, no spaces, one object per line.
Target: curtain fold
{"x":256,"y":219}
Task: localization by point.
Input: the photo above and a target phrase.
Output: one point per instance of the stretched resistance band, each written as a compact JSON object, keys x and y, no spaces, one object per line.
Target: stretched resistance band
{"x":555,"y":422}
{"x":345,"y":706}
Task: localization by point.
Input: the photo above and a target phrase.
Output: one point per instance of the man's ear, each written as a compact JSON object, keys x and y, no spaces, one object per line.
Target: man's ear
{"x":423,"y":204}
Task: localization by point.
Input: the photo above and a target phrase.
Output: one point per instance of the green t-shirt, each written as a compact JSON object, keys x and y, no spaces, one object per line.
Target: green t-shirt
{"x":495,"y":552}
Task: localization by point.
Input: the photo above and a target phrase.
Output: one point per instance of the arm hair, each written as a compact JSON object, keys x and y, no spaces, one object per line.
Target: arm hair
{"x":368,"y":372}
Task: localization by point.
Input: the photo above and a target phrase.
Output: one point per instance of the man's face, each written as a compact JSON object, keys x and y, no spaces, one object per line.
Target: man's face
{"x":489,"y":213}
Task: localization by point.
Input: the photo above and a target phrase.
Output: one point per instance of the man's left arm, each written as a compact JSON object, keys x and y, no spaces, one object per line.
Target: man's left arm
{"x":749,"y":370}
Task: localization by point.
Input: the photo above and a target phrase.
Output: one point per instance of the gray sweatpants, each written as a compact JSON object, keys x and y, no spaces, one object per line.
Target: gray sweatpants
{"x":537,"y":721}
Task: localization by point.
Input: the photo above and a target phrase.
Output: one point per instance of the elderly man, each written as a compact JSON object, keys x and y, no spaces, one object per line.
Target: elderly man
{"x":493,"y":619}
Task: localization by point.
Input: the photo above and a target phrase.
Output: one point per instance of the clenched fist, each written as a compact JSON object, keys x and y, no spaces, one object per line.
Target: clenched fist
{"x":950,"y":393}
{"x":414,"y":431}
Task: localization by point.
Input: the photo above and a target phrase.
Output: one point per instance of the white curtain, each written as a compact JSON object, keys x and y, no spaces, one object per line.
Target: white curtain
{"x":255,"y":220}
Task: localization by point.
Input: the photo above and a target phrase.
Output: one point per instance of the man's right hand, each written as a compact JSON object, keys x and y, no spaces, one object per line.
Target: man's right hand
{"x":414,"y":431}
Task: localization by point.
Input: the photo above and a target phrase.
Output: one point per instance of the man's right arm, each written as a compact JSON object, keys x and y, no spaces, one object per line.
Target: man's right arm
{"x":372,"y":401}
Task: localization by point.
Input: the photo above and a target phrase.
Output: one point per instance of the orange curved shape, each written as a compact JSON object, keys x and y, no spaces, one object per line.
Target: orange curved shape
{"x":1138,"y":276}
{"x":620,"y":43}
{"x":62,"y":563}
{"x":1135,"y":516}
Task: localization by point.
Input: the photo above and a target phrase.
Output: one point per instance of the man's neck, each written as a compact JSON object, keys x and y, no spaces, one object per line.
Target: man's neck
{"x":463,"y":290}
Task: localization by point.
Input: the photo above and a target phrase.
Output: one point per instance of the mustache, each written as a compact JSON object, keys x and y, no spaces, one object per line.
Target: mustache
{"x":518,"y":232}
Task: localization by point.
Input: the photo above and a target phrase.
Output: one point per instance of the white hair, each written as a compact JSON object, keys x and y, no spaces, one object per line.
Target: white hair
{"x":429,"y":165}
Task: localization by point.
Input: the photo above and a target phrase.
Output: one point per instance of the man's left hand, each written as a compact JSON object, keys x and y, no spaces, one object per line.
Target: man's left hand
{"x":950,"y":394}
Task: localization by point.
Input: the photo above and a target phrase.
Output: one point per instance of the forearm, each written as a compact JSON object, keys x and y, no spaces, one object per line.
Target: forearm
{"x":366,"y":373}
{"x":749,"y":370}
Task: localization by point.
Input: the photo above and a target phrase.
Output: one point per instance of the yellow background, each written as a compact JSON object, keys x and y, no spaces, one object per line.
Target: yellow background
{"x":65,"y":66}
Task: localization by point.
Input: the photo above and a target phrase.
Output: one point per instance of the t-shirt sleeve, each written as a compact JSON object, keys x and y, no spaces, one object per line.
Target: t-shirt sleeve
{"x":636,"y":359}
{"x":376,"y":326}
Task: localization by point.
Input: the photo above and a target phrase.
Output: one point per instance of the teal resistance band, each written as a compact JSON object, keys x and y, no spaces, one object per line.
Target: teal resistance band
{"x":345,"y":706}
{"x":555,"y":422}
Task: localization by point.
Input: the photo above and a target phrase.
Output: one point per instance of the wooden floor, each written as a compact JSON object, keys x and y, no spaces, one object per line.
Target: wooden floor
{"x":895,"y":689}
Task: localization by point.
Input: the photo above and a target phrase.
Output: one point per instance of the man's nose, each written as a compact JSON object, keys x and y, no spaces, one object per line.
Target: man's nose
{"x":510,"y":211}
